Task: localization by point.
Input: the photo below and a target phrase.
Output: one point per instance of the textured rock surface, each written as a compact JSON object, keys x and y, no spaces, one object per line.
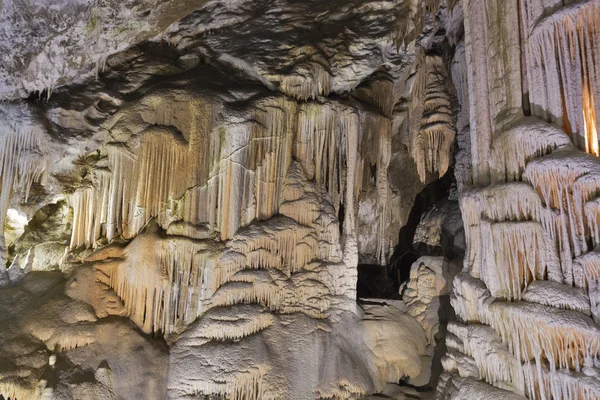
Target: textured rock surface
{"x":199,"y":183}
{"x":187,"y":189}
{"x":524,"y":301}
{"x":45,"y":45}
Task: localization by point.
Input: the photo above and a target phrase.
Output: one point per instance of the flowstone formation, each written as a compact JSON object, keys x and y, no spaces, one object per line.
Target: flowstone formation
{"x":526,"y":301}
{"x":300,"y":200}
{"x":189,"y":221}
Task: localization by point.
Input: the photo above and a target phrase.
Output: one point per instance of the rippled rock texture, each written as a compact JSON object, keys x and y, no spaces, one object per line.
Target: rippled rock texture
{"x":188,"y":189}
{"x":197,"y":183}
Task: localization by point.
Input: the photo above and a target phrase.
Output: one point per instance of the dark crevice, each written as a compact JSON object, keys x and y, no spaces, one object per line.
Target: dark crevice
{"x":341,"y":217}
{"x":375,"y":281}
{"x":445,"y":314}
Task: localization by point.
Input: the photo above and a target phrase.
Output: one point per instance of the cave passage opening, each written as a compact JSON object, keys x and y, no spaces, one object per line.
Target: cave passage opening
{"x":384,"y":281}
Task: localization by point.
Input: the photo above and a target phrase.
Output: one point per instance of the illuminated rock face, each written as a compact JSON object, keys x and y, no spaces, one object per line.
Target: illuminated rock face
{"x":526,"y":300}
{"x":190,"y":223}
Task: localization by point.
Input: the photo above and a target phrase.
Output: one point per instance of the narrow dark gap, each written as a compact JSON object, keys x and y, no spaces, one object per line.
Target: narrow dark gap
{"x":446,"y":314}
{"x":145,"y":302}
{"x":383,"y":282}
{"x":341,"y":217}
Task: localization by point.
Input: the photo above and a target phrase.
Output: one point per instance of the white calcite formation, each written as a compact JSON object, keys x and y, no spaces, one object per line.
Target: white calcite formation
{"x":189,"y":223}
{"x":430,"y":279}
{"x":432,"y":117}
{"x":187,"y":189}
{"x":526,"y":300}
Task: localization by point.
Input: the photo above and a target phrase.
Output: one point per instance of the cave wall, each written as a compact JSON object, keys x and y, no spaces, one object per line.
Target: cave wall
{"x":200,"y":185}
{"x":188,"y":189}
{"x":526,"y":300}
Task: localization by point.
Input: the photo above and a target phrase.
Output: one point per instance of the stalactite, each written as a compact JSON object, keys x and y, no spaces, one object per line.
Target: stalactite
{"x":562,"y":61}
{"x":565,"y":339}
{"x":513,"y":149}
{"x":165,"y":283}
{"x":561,"y":384}
{"x":431,"y":147}
{"x":411,"y":21}
{"x":162,"y":166}
{"x":247,"y":385}
{"x":499,"y":367}
{"x":350,"y":134}
{"x":468,"y":296}
{"x":162,"y":287}
{"x":270,"y":152}
{"x":513,"y":258}
{"x":316,"y":146}
{"x":566,"y":182}
{"x":22,"y":161}
{"x":586,"y":269}
{"x":463,"y":158}
{"x":90,"y":210}
{"x":110,"y":205}
{"x":511,"y":202}
{"x":245,"y":177}
{"x":123,"y":182}
{"x":375,"y":149}
{"x":495,"y":363}
{"x":531,"y":240}
{"x":307,"y":81}
{"x":233,"y":323}
{"x":267,"y":294}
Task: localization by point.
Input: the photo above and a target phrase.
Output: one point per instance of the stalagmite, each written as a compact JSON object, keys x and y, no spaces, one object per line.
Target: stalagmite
{"x":430,"y":278}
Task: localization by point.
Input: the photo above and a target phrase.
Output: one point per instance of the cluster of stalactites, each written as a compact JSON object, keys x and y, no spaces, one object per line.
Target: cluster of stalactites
{"x":281,"y":244}
{"x":514,"y":258}
{"x":520,"y":235}
{"x":563,"y":66}
{"x":162,"y":282}
{"x":514,"y":148}
{"x":493,"y":362}
{"x":559,"y":194}
{"x":509,"y":247}
{"x":166,"y":283}
{"x":166,"y":178}
{"x":121,"y":198}
{"x":22,"y":162}
{"x":564,"y":339}
{"x":432,"y":119}
{"x":247,"y":385}
{"x":480,"y":347}
{"x":205,"y":180}
{"x":561,"y":384}
{"x":290,"y":263}
{"x":568,"y":184}
{"x":532,"y":268}
{"x":307,"y":81}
